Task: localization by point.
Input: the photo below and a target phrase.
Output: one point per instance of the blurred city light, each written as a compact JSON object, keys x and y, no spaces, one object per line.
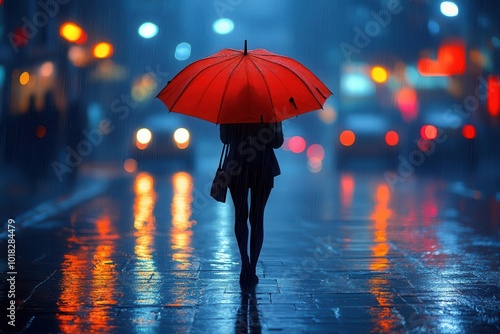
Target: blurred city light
{"x":450,"y":60}
{"x":429,"y":132}
{"x":347,"y":138}
{"x":182,"y":51}
{"x":424,"y":82}
{"x":130,"y":165}
{"x":356,"y":84}
{"x":144,"y":87}
{"x":41,"y":131}
{"x":469,"y":131}
{"x":297,"y":144}
{"x":103,"y":50}
{"x":314,"y":165}
{"x":47,"y":69}
{"x":181,"y":137}
{"x":493,"y":95}
{"x":73,"y":33}
{"x":143,"y":137}
{"x":148,"y":30}
{"x":449,"y":8}
{"x":433,"y":27}
{"x":78,"y":56}
{"x":407,"y":103}
{"x":328,"y":114}
{"x":379,"y":74}
{"x":24,"y":78}
{"x":316,"y":151}
{"x":223,"y":26}
{"x":392,"y":138}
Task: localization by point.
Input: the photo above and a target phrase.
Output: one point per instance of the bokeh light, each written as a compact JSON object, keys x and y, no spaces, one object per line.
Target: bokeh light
{"x":130,"y":165}
{"x":103,"y":50}
{"x":41,"y":131}
{"x":148,"y":30}
{"x":469,"y":131}
{"x":314,"y":165}
{"x":223,"y":26}
{"x":392,"y":138}
{"x":316,"y":151}
{"x":379,"y":74}
{"x":24,"y":78}
{"x":143,"y":136}
{"x":433,"y":27}
{"x":181,"y":137}
{"x":407,"y":102}
{"x":182,"y":51}
{"x":449,"y":8}
{"x":297,"y":144}
{"x":347,"y":138}
{"x":429,"y":132}
{"x":47,"y":69}
{"x":78,"y":56}
{"x":73,"y":33}
{"x":328,"y":114}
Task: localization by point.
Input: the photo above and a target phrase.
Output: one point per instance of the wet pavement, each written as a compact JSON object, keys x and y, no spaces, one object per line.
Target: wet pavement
{"x":343,"y":253}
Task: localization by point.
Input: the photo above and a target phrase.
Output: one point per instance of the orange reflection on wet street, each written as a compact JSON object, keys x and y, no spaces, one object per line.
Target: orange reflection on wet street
{"x":147,"y":292}
{"x":385,"y":320}
{"x":89,"y":280}
{"x":181,"y":232}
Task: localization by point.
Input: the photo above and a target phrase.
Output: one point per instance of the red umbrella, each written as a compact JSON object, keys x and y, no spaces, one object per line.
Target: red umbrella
{"x":236,"y":86}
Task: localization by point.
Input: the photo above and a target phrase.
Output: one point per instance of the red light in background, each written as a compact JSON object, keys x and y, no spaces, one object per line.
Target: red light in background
{"x":429,"y":132}
{"x":450,"y":60}
{"x":469,"y":131}
{"x":297,"y":144}
{"x":316,"y":151}
{"x":407,"y":102}
{"x":392,"y":138}
{"x":493,"y":95}
{"x":41,"y":131}
{"x":347,"y":138}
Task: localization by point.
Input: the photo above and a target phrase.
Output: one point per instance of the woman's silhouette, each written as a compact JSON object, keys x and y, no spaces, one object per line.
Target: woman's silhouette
{"x":252,"y":165}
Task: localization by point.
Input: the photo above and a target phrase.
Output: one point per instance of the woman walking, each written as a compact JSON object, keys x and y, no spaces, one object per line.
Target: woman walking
{"x":252,"y":166}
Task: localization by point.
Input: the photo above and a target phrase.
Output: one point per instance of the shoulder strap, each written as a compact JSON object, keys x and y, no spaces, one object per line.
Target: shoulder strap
{"x":222,"y":155}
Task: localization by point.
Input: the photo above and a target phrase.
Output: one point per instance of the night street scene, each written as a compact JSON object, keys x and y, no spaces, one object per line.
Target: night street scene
{"x":250,"y":166}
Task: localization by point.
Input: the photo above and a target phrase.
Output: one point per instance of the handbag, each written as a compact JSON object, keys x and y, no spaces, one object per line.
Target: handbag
{"x":221,"y":179}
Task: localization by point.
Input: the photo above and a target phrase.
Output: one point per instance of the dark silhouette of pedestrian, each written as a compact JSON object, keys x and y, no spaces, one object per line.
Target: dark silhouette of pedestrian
{"x":252,"y":166}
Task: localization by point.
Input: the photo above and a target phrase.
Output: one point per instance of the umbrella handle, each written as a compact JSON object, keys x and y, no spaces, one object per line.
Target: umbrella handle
{"x":245,"y":51}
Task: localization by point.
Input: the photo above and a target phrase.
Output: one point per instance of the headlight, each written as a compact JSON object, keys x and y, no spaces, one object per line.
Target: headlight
{"x":143,"y":138}
{"x":181,"y":138}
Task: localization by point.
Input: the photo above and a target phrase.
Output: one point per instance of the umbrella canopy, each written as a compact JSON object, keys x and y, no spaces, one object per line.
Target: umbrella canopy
{"x":240,"y":86}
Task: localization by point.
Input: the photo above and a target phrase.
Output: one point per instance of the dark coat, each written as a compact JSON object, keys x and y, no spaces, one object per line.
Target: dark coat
{"x":251,"y":151}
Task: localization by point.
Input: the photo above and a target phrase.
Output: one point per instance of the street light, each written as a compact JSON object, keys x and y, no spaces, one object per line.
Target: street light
{"x":73,"y":33}
{"x":103,"y":50}
{"x":148,"y":30}
{"x":449,"y":8}
{"x":223,"y":26}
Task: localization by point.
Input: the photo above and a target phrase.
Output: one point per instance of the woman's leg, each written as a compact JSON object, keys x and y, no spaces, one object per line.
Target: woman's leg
{"x":259,"y":196}
{"x":239,"y":194}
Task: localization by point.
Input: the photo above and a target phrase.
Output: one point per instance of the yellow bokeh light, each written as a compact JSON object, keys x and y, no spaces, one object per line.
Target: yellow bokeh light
{"x":144,"y":136}
{"x":47,"y":69}
{"x":379,"y":74}
{"x":103,"y":50}
{"x":71,"y":32}
{"x":24,"y":78}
